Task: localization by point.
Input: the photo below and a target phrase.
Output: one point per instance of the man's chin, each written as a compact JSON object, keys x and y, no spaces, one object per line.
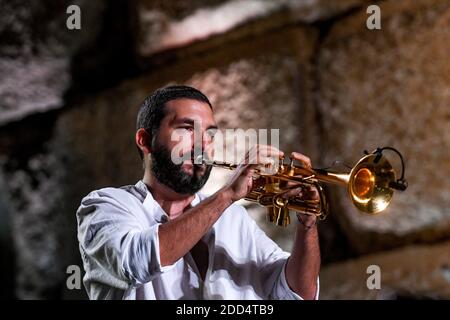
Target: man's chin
{"x":188,"y":169}
{"x":191,"y":169}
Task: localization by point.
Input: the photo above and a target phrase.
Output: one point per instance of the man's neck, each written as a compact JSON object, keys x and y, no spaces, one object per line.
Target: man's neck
{"x":174,"y":204}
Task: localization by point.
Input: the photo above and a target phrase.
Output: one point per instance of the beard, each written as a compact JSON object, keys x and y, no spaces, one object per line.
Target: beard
{"x":173,"y":176}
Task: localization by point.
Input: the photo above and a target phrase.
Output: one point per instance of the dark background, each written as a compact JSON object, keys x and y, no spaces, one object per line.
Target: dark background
{"x":69,"y":98}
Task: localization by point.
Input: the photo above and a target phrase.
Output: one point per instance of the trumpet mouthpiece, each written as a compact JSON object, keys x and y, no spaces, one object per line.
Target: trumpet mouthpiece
{"x":200,"y":159}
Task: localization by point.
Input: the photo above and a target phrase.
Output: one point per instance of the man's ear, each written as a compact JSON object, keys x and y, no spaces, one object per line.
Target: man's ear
{"x":143,"y":140}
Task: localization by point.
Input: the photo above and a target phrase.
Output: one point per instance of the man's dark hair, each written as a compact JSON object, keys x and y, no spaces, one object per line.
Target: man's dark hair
{"x":152,"y":110}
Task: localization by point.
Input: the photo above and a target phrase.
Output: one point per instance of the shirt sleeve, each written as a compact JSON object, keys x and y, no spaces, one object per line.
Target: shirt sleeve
{"x":284,"y":292}
{"x":272,"y":262}
{"x":116,"y":248}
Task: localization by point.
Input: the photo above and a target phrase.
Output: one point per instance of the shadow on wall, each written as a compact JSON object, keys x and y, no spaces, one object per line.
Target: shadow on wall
{"x":7,"y":265}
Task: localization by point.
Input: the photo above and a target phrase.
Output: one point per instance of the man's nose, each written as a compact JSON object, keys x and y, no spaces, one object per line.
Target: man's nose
{"x":202,"y":139}
{"x":203,"y":144}
{"x":207,"y":140}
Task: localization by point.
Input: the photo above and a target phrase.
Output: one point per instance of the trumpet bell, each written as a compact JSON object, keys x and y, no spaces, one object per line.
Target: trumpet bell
{"x":369,"y":184}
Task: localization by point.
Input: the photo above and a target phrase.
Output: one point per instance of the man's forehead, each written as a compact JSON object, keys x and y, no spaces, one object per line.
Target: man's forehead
{"x":182,"y":109}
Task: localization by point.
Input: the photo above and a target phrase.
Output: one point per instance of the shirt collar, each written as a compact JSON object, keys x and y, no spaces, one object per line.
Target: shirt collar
{"x":151,"y":205}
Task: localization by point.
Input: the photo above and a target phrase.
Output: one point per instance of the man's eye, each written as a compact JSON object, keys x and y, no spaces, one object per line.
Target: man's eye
{"x":211,"y":133}
{"x":186,"y":128}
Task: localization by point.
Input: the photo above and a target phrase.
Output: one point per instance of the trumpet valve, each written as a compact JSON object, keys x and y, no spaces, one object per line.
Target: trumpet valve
{"x":291,"y":171}
{"x":282,"y":217}
{"x":281,"y":166}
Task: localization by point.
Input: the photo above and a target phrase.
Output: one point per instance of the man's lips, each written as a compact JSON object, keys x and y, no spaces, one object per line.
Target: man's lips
{"x":190,"y":166}
{"x":192,"y":161}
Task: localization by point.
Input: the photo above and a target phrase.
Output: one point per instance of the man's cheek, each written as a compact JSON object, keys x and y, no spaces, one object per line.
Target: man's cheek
{"x":182,"y":145}
{"x":209,"y":151}
{"x":178,"y":136}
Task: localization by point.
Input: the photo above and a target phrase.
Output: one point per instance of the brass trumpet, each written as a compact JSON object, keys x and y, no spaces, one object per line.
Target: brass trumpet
{"x":370,"y":184}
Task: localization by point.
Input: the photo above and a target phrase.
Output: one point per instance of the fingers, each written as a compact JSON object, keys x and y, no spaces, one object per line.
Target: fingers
{"x":244,"y":169}
{"x":303,"y":192}
{"x":309,"y":193}
{"x":268,"y":150}
{"x":290,"y":184}
{"x":262,"y":154}
{"x":301,"y":158}
{"x":259,"y":182}
{"x":292,"y":193}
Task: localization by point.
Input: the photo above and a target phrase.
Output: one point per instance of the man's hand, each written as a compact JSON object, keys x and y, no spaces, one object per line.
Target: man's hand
{"x":303,"y":192}
{"x":303,"y":266}
{"x":241,"y":181}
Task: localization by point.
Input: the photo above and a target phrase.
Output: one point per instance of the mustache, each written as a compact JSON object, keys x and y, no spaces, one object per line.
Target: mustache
{"x":194,"y":156}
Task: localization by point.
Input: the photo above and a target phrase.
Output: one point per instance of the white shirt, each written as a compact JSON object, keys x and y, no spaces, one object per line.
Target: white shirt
{"x":119,"y":245}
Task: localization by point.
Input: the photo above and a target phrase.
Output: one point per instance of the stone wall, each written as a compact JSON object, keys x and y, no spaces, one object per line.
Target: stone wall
{"x":391,"y":87}
{"x":41,"y":61}
{"x":310,"y":68}
{"x":413,"y":272}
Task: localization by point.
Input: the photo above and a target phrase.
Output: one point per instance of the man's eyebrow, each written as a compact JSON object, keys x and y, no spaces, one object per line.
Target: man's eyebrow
{"x":192,"y":121}
{"x":184,"y":120}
